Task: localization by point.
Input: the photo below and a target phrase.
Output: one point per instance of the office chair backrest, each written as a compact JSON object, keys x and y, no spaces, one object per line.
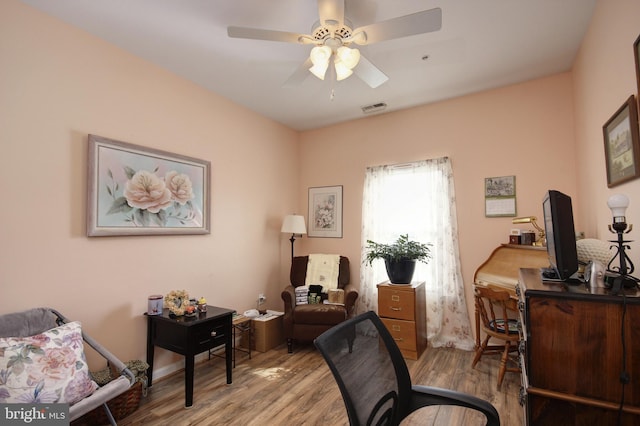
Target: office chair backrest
{"x":369,"y":369}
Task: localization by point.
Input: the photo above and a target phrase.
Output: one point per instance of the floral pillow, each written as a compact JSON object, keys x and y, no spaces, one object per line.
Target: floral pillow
{"x":45,"y":368}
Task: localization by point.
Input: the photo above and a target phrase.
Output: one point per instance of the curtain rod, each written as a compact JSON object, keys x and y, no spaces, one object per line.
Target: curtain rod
{"x":400,"y":166}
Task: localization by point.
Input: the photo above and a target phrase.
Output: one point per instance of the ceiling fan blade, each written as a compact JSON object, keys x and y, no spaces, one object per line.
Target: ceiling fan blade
{"x":269,"y":35}
{"x":369,"y":73}
{"x":403,"y":26}
{"x":331,"y":12}
{"x":299,"y":75}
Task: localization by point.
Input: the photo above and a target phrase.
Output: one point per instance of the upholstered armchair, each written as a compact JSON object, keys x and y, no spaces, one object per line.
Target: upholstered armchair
{"x":305,"y":322}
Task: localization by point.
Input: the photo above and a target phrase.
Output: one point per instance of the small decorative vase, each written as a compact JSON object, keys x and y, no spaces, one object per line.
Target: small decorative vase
{"x":400,"y":271}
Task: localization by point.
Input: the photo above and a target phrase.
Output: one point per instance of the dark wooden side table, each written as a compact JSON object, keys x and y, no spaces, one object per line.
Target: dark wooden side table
{"x":190,"y":336}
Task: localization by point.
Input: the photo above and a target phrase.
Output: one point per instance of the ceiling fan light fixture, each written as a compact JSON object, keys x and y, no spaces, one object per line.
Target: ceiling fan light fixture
{"x":342,"y":71}
{"x":320,"y":56}
{"x":349,"y":57}
{"x":319,"y":69}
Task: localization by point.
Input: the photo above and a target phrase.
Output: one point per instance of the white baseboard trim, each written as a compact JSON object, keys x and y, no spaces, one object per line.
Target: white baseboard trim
{"x":176,"y":366}
{"x":179,"y":365}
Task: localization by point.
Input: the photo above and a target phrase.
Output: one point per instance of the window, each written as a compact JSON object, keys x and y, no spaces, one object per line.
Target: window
{"x":419,"y":199}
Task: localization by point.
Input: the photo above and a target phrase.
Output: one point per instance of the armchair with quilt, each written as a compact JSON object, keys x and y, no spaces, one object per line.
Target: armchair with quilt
{"x":54,"y":368}
{"x":305,"y":322}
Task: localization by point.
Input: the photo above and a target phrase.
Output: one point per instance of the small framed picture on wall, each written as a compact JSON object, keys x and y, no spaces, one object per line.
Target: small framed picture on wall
{"x":325,"y":212}
{"x":621,"y":149}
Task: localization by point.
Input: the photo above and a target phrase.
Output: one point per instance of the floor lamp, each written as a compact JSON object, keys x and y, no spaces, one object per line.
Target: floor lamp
{"x":294,"y":225}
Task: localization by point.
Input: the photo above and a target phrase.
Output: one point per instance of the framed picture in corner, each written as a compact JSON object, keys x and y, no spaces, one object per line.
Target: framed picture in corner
{"x":621,"y":148}
{"x":325,"y":212}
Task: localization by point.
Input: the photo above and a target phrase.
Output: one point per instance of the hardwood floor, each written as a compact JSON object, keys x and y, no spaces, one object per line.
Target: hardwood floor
{"x":277,"y":388}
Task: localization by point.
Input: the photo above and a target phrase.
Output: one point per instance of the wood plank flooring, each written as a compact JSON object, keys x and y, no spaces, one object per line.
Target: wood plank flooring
{"x":277,"y":388}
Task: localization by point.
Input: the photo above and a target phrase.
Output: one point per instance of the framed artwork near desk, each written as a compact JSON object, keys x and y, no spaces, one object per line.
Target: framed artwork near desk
{"x":621,"y":146}
{"x":636,"y":54}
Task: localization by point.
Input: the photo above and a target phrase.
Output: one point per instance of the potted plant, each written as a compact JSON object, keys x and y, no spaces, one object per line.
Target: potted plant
{"x":400,"y":257}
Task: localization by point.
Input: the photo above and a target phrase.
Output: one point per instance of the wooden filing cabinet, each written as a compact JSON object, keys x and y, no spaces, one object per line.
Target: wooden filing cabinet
{"x":402,"y":309}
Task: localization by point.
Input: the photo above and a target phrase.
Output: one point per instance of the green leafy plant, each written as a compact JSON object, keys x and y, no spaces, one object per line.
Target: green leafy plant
{"x":401,"y":249}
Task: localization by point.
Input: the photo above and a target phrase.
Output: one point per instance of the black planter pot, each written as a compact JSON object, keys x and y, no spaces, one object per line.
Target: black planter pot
{"x":400,"y":271}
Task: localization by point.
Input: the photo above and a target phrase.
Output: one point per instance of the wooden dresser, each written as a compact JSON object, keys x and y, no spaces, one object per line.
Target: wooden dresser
{"x":402,"y":309}
{"x":572,"y":353}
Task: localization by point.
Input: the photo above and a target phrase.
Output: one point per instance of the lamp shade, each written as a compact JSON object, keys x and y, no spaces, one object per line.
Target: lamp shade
{"x":293,"y":224}
{"x":320,"y":56}
{"x":349,"y":57}
{"x":342,"y":71}
{"x":618,"y":204}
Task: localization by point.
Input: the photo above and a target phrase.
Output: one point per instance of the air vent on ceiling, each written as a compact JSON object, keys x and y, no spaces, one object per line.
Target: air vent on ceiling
{"x":370,"y":109}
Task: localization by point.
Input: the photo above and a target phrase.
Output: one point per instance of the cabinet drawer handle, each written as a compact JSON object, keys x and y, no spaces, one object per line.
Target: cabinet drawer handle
{"x":395,"y":327}
{"x":393,"y":308}
{"x":214,"y":334}
{"x":395,"y":298}
{"x":521,"y":306}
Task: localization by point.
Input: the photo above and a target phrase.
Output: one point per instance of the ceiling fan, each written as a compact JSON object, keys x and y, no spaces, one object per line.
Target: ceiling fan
{"x":332,"y":35}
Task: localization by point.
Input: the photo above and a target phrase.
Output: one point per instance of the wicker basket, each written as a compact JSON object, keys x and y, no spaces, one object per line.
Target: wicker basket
{"x":123,"y":404}
{"x":120,"y":406}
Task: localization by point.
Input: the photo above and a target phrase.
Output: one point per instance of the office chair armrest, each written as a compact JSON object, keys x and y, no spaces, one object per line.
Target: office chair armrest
{"x":423,"y":396}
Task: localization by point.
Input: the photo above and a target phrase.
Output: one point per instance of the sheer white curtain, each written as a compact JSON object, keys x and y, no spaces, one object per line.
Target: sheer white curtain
{"x":418,"y":199}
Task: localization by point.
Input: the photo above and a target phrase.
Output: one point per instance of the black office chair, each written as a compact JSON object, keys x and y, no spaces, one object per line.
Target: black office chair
{"x":374,"y":379}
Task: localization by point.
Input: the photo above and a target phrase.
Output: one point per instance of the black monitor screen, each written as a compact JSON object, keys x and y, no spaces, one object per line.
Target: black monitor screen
{"x":560,"y":233}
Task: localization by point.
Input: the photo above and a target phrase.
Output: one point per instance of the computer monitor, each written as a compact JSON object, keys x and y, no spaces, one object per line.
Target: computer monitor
{"x":561,"y":236}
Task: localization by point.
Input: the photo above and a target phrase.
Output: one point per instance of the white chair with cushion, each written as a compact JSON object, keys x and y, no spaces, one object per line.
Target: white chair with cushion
{"x":55,"y":368}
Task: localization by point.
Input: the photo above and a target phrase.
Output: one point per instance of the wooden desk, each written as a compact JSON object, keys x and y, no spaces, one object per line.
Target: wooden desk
{"x":503,"y":265}
{"x":501,"y":271}
{"x":572,"y":353}
{"x":190,"y":336}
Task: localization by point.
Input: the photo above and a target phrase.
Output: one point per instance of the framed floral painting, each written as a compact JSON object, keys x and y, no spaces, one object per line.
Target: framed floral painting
{"x":134,"y":190}
{"x":325,"y":212}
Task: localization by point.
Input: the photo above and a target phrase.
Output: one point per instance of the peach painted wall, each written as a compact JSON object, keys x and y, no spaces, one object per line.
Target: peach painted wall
{"x":508,"y":131}
{"x":604,"y":77}
{"x":58,"y":84}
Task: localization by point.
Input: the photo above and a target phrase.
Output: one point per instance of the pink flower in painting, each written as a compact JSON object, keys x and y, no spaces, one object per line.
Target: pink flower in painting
{"x":147,"y":191}
{"x":180,"y":187}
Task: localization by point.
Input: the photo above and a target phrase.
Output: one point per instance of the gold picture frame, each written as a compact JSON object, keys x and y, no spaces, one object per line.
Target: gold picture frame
{"x":621,"y":146}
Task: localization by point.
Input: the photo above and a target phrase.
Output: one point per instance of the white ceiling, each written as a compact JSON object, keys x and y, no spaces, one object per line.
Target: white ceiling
{"x":483,"y":44}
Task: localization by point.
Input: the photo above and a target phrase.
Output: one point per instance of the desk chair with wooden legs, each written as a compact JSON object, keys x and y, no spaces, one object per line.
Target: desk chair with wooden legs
{"x":491,"y":312}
